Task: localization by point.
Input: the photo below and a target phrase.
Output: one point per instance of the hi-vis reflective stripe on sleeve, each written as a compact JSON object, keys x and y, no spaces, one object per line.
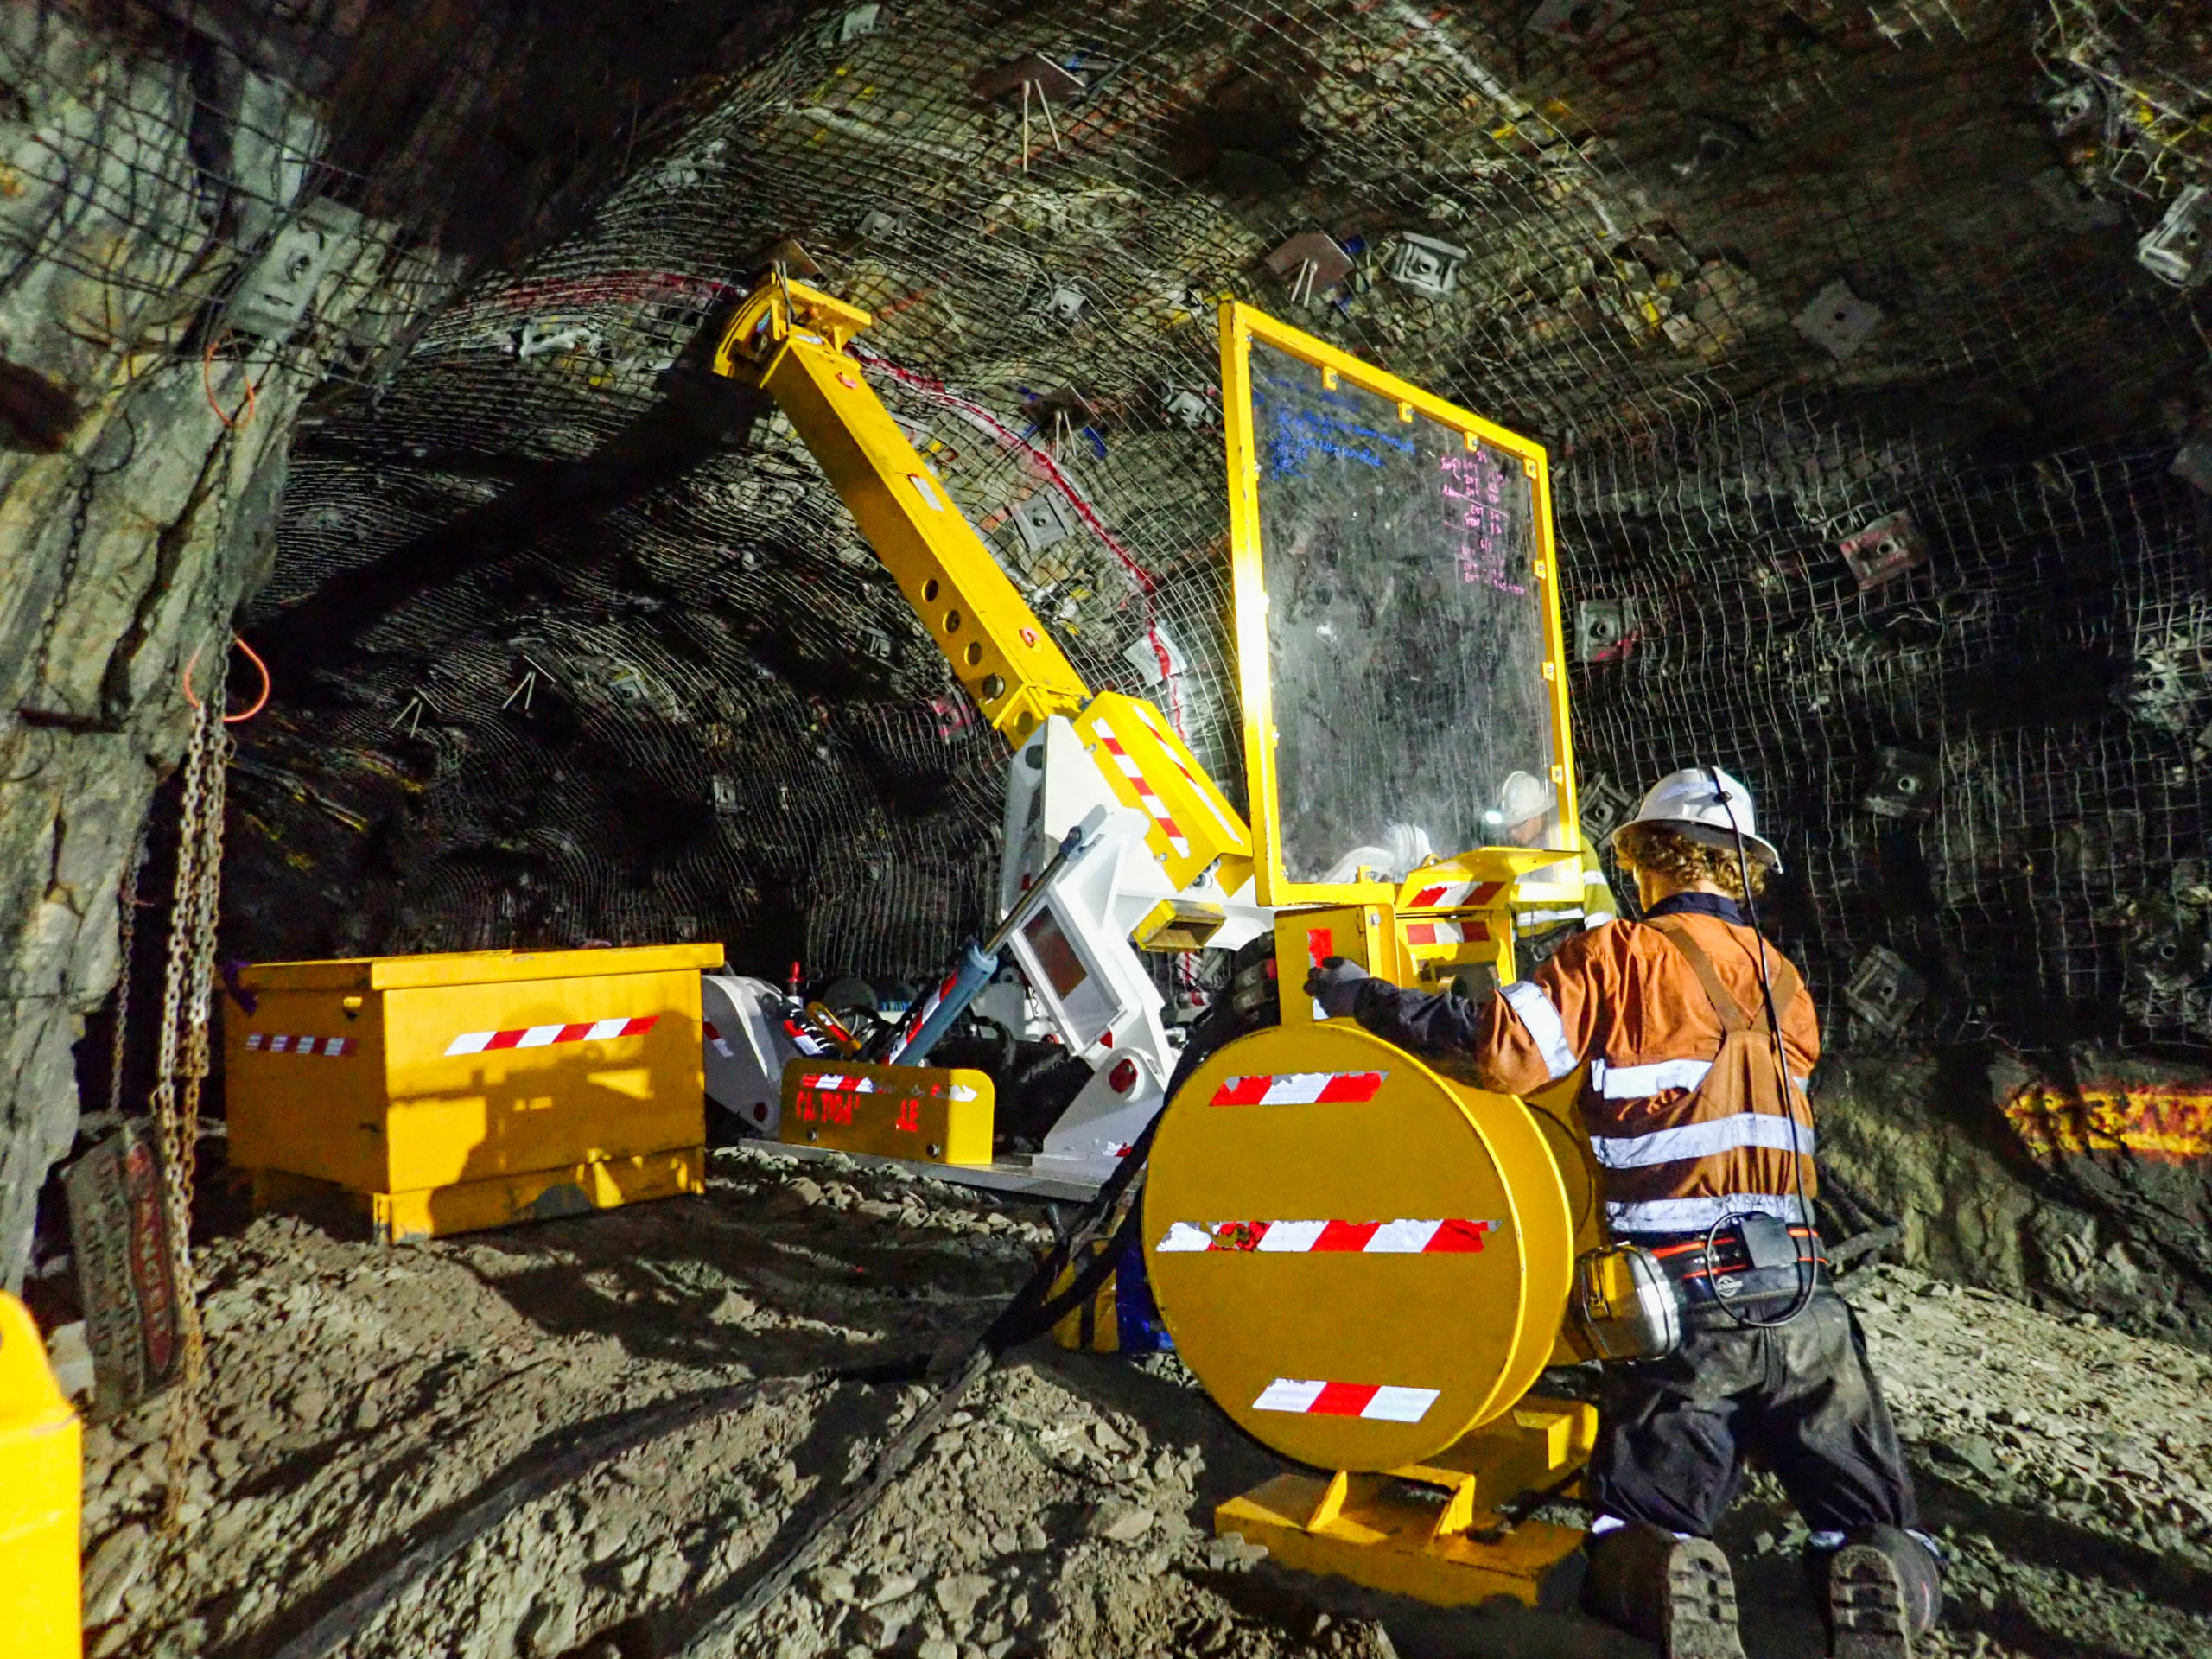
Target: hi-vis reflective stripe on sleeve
{"x":480,"y":1042}
{"x":1377,"y":1403}
{"x":1302,"y":1088}
{"x":1635,"y":1081}
{"x":1527,"y":1000}
{"x":1695,"y":1215}
{"x":1455,"y":1236}
{"x":1701,"y":1140}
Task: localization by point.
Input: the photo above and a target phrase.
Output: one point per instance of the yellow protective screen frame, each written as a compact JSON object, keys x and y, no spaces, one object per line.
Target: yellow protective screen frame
{"x":1240,"y":324}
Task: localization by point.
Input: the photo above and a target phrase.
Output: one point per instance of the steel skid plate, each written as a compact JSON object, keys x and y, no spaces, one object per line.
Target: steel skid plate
{"x":1360,"y":1259}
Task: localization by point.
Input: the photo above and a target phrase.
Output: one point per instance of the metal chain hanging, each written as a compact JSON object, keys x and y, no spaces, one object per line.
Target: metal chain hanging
{"x":126,"y":918}
{"x":181,"y":1057}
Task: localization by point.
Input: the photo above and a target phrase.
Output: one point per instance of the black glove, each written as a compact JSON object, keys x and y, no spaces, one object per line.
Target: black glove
{"x":1335,"y":985}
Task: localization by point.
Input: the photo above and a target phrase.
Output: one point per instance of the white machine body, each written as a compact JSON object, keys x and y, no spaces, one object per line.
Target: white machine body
{"x":1090,"y":984}
{"x":744,"y":1046}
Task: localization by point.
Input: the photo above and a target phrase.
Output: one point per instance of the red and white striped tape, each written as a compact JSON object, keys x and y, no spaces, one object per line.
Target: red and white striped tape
{"x":1444,"y":933}
{"x":1451,"y":894}
{"x":265,"y":1043}
{"x":478,"y":1042}
{"x":1452,"y":1237}
{"x":714,"y":1035}
{"x":1302,"y":1088}
{"x":1205,"y":794}
{"x":1134,"y":773}
{"x":855,"y":1084}
{"x":1378,"y":1402}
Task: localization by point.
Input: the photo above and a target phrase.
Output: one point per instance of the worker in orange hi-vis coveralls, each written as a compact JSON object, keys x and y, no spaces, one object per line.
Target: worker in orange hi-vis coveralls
{"x":1699,"y":1037}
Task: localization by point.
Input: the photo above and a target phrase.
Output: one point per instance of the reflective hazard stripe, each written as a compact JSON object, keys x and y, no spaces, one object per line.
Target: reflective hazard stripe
{"x":1542,"y":1020}
{"x":269,"y":1043}
{"x":1300,"y":1089}
{"x":1444,"y":933}
{"x":1377,"y":1403}
{"x":1237,"y":837}
{"x":1635,"y":1081}
{"x":1129,"y":769}
{"x":478,"y":1042}
{"x":1701,"y":1140}
{"x":1451,"y":894}
{"x":715,"y":1036}
{"x":1324,"y":1237}
{"x":839,"y":1083}
{"x":1695,"y":1215}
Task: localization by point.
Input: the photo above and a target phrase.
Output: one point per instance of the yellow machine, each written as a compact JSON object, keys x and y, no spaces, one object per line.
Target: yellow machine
{"x":42,"y":1474}
{"x":444,"y":1093}
{"x":1365,"y":1262}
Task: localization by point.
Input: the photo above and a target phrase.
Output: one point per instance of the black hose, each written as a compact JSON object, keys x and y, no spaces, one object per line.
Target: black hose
{"x":551,"y":1464}
{"x":569,"y":1456}
{"x":1035,"y":1309}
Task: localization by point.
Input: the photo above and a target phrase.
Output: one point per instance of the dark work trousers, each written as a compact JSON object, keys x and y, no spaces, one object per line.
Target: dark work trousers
{"x":1673,"y":1433}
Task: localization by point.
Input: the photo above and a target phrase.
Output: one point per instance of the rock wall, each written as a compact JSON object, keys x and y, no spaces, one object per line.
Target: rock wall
{"x":143,"y":446}
{"x":208,"y":216}
{"x":2084,"y":1187}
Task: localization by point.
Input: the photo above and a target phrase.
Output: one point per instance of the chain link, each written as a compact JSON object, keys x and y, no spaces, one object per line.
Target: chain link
{"x":126,"y":950}
{"x":182,"y":1057}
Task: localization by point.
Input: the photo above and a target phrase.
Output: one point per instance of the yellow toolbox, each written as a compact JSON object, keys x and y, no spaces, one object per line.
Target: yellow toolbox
{"x":42,"y":1457}
{"x":446,"y":1093}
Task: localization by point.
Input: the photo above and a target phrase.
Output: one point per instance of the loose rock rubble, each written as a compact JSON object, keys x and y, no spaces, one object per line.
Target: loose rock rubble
{"x":358,"y":1393}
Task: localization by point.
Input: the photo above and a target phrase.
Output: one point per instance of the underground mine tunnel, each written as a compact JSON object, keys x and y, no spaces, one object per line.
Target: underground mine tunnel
{"x":1118,"y":827}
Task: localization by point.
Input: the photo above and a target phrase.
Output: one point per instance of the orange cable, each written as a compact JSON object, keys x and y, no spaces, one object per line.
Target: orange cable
{"x":254,"y":657}
{"x":261,"y":701}
{"x":207,"y":386}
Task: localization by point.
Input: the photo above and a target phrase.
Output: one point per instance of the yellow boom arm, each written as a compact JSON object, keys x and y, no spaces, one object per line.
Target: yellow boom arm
{"x":790,"y":340}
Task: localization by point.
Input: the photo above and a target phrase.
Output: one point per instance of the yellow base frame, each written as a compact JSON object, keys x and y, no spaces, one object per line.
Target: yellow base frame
{"x":1456,"y":1555}
{"x":500,"y":1200}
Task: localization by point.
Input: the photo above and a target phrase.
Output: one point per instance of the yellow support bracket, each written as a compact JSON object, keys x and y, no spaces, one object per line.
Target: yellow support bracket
{"x":789,"y":339}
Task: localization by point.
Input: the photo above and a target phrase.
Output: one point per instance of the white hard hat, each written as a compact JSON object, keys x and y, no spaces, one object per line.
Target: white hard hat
{"x":1688,"y":803}
{"x":1523,"y":795}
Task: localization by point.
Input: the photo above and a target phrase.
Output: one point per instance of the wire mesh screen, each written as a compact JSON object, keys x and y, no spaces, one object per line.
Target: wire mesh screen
{"x":1852,"y":378}
{"x":1983,"y":746}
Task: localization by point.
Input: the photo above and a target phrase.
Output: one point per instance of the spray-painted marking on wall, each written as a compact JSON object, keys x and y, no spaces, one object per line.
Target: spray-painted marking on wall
{"x":478,"y":1042}
{"x":1456,"y":1237}
{"x":2167,"y":1122}
{"x":1376,"y":1401}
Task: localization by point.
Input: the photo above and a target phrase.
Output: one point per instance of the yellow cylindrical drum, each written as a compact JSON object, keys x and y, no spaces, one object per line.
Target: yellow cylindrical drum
{"x":42,"y":1474}
{"x":1360,"y":1259}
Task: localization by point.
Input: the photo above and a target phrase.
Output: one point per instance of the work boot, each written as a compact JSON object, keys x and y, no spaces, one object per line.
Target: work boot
{"x":1885,"y":1588}
{"x":1676,"y":1592}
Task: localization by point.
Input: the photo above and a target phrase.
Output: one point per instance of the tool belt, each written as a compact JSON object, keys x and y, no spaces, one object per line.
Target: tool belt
{"x":1717,"y":1293}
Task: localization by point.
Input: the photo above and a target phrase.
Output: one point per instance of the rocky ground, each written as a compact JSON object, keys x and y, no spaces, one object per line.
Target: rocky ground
{"x":360,"y":1397}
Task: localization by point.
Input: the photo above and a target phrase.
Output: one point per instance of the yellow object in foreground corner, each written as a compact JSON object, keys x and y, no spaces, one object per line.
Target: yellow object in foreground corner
{"x":42,"y":1474}
{"x":445,"y":1093}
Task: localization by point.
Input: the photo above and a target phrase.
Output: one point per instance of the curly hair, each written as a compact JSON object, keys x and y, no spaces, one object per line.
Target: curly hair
{"x":1663,"y":852}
